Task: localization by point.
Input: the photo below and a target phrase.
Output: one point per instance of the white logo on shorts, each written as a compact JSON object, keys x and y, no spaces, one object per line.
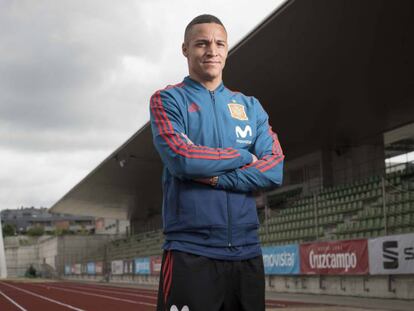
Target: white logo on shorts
{"x":174,"y":308}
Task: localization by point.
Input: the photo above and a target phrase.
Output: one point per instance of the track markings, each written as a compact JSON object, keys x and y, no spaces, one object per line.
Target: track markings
{"x":106,"y":287}
{"x":106,"y":291}
{"x":12,"y":301}
{"x":43,"y":297}
{"x":98,"y":295}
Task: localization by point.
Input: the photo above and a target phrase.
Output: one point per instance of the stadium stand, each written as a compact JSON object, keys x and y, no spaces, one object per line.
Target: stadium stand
{"x":344,"y":212}
{"x":140,"y":245}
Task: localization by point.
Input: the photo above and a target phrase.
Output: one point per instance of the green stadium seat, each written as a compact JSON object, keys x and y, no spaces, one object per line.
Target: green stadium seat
{"x":406,"y":230}
{"x":398,"y":230}
{"x":391,"y":209}
{"x":360,"y":201}
{"x":406,"y":220}
{"x":406,"y":208}
{"x":391,"y":221}
{"x":398,"y":220}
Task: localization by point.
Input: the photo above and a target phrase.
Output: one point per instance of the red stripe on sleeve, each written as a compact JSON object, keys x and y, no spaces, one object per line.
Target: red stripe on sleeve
{"x":272,"y":164}
{"x":190,"y":148}
{"x":175,"y":141}
{"x":269,"y":161}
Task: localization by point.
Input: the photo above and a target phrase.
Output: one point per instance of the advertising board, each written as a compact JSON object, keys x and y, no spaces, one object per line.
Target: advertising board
{"x":335,"y":257}
{"x":281,"y":259}
{"x":392,"y":254}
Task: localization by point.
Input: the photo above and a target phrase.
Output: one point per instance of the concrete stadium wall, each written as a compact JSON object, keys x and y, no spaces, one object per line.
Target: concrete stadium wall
{"x":48,"y":254}
{"x":41,"y":253}
{"x":148,"y":280}
{"x":396,"y":286}
{"x":138,"y":279}
{"x":19,"y":259}
{"x":79,"y":249}
{"x":85,"y":278}
{"x":48,"y":251}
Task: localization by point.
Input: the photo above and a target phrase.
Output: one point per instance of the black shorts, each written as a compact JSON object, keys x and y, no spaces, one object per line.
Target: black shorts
{"x":195,"y":283}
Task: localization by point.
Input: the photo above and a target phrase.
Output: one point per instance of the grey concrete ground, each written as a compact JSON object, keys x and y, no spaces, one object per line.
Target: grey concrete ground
{"x":341,"y":303}
{"x":335,"y":308}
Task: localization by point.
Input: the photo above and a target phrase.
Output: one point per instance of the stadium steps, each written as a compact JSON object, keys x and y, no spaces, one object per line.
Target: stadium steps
{"x":346,"y":212}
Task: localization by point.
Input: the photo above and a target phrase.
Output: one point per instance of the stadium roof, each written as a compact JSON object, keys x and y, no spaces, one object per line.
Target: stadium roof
{"x":329,"y":73}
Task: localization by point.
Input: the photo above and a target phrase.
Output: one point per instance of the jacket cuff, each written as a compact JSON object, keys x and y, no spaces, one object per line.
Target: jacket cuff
{"x":228,"y":181}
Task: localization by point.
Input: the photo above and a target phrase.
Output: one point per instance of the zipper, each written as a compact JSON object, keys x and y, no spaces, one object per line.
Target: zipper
{"x":218,"y":131}
{"x":213,"y":99}
{"x":229,"y":237}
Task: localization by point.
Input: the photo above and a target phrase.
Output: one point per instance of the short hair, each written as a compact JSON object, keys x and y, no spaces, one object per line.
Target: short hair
{"x":202,"y":19}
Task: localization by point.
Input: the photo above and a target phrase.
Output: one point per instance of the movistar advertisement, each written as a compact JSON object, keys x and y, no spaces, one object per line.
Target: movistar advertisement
{"x":77,"y":268}
{"x":339,"y":257}
{"x":99,"y":267}
{"x":68,"y":269}
{"x":392,"y":254}
{"x":117,"y":267}
{"x":281,"y":259}
{"x":142,"y":265}
{"x":156,"y":265}
{"x":128,"y":266}
{"x":90,"y":268}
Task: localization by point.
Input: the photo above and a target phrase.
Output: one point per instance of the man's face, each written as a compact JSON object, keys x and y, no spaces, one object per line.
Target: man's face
{"x":206,"y":50}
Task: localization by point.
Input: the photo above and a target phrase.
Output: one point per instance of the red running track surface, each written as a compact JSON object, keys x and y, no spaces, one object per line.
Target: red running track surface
{"x":56,"y":296}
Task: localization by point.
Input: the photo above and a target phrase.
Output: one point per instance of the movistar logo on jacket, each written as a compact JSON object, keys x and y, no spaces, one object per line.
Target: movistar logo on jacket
{"x":243,"y":133}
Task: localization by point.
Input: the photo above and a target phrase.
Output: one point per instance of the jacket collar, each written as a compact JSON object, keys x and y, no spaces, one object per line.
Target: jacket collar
{"x":198,"y":86}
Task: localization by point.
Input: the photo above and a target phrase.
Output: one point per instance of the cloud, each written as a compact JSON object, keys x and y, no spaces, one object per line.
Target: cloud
{"x":39,"y":180}
{"x":56,"y":58}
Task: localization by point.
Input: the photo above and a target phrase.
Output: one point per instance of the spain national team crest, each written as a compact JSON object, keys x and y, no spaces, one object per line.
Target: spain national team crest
{"x":237,"y":111}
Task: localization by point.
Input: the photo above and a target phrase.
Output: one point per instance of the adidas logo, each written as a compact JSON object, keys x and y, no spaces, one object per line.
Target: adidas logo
{"x":174,"y":308}
{"x":193,"y":107}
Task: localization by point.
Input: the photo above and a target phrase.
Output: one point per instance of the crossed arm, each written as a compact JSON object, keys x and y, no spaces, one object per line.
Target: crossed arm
{"x":236,"y":169}
{"x":264,"y":173}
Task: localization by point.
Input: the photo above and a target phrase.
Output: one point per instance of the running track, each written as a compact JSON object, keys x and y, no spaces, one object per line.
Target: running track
{"x":57,"y":296}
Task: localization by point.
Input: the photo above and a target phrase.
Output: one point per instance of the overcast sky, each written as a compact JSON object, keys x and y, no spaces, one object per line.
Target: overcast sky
{"x":76,"y":76}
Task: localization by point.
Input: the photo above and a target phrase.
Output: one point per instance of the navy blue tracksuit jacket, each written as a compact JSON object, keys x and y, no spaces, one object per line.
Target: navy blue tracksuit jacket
{"x":200,"y":133}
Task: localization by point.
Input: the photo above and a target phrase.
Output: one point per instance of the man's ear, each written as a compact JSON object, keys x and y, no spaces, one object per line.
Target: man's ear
{"x":184,"y":49}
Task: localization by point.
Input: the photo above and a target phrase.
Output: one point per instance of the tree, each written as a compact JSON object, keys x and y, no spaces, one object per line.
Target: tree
{"x":61,"y":231}
{"x":36,"y":231}
{"x":31,"y":272}
{"x":9,"y":230}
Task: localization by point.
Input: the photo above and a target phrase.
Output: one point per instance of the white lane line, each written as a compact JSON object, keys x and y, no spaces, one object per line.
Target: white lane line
{"x":123,"y":289}
{"x":12,"y":301}
{"x":275,"y":305}
{"x":105,"y":291}
{"x":98,"y":295}
{"x":43,"y":297}
{"x":118,"y":290}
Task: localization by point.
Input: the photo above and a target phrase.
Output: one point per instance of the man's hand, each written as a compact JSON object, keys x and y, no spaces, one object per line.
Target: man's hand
{"x":212,"y":181}
{"x":203,"y":180}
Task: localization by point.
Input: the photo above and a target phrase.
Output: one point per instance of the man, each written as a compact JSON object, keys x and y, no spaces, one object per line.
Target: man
{"x":217,"y":147}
